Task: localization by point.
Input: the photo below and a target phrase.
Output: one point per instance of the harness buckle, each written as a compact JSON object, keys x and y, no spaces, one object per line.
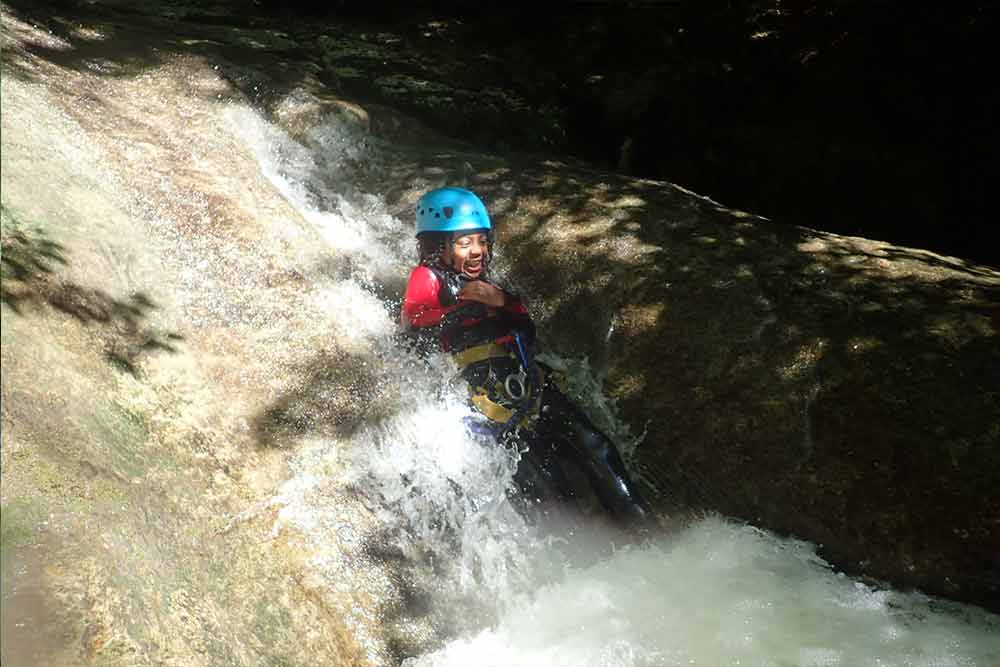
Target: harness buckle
{"x":516,"y":385}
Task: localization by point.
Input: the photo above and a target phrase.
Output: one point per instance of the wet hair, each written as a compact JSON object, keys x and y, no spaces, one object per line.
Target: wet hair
{"x":430,"y":247}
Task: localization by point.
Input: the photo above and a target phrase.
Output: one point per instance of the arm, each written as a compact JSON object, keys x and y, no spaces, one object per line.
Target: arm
{"x":493,"y":296}
{"x":507,"y":307}
{"x":422,"y":305}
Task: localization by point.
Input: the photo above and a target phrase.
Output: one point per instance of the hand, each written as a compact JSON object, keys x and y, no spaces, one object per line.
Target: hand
{"x":483,"y":292}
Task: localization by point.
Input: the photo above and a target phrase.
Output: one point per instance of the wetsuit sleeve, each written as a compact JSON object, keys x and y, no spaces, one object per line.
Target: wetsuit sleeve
{"x":422,"y":305}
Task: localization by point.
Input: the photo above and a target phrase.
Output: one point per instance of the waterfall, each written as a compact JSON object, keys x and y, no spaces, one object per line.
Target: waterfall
{"x":463,"y":578}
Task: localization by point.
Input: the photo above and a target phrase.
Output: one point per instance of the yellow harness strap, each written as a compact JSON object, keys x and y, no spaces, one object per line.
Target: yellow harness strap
{"x":493,"y":411}
{"x":483,"y":352}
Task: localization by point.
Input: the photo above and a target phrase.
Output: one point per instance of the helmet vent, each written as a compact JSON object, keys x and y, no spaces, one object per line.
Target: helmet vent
{"x":449,"y":210}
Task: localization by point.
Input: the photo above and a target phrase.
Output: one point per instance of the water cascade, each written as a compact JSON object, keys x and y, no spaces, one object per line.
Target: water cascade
{"x":489,"y":588}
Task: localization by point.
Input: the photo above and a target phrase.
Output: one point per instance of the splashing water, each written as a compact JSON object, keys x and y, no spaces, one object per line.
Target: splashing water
{"x":413,"y":509}
{"x":720,"y":593}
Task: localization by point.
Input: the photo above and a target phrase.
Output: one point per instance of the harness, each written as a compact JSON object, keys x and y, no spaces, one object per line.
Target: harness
{"x":493,"y":353}
{"x":512,"y":399}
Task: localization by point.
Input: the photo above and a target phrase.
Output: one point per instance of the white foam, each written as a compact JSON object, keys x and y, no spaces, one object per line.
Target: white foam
{"x":723,"y":594}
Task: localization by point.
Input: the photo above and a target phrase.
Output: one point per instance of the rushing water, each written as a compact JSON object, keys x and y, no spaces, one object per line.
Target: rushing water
{"x":413,"y":509}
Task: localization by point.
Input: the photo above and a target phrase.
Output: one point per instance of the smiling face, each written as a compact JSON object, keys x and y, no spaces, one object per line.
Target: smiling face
{"x":468,"y":253}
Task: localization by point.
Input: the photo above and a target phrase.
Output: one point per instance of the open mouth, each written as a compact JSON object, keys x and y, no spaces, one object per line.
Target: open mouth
{"x":473,"y":268}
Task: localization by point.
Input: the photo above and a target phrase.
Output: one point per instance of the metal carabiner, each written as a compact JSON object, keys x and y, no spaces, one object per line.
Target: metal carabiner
{"x":519,"y":381}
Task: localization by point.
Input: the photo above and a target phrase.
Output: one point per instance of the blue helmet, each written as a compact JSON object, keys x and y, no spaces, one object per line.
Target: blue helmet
{"x":451,"y":210}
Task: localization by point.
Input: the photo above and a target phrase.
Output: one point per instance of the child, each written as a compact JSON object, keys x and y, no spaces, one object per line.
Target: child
{"x":452,"y":303}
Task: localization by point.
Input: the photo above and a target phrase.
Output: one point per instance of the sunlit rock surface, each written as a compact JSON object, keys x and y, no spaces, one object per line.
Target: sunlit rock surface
{"x":834,"y":388}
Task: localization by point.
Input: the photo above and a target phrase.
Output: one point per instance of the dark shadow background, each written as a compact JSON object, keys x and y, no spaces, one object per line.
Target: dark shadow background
{"x":863,"y":118}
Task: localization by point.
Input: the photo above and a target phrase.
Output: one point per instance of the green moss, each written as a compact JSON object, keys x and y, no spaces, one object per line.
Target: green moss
{"x":8,"y":221}
{"x":137,"y":424}
{"x":119,"y":437}
{"x":16,"y":520}
{"x":347,"y":72}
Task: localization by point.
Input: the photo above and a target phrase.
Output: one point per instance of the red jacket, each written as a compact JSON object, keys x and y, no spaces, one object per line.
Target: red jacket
{"x":430,"y":304}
